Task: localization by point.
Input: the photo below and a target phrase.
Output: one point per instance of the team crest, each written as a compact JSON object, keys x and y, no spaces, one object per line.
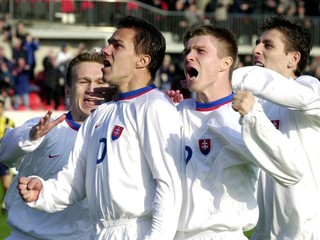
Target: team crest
{"x":204,"y":146}
{"x":276,"y":123}
{"x":116,"y":133}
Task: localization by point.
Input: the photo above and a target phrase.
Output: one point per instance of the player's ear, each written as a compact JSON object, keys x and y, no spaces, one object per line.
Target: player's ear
{"x":143,"y":61}
{"x":226,"y":63}
{"x":296,"y":56}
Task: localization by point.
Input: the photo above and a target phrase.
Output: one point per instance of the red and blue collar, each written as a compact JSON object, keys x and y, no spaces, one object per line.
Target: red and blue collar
{"x":202,"y":107}
{"x":136,"y":93}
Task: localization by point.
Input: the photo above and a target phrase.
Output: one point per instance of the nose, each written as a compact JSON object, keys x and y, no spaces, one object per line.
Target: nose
{"x":257,"y":49}
{"x":91,"y":87}
{"x":189,"y":56}
{"x":105,"y":51}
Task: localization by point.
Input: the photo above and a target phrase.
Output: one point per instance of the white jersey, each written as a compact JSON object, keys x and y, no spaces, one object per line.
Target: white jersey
{"x":286,"y":115}
{"x":219,"y":184}
{"x":126,"y":161}
{"x":44,"y":157}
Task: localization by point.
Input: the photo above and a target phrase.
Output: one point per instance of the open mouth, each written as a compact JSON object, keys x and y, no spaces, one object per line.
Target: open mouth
{"x":92,"y":102}
{"x":192,"y":72}
{"x":259,"y":64}
{"x":106,"y":63}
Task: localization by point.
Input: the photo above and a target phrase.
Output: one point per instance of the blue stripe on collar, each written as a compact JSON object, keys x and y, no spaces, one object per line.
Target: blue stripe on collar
{"x":136,"y":93}
{"x":213,"y":105}
{"x":71,"y":123}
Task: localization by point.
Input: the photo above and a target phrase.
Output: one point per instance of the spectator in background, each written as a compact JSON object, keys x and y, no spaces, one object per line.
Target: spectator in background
{"x":51,"y":85}
{"x":6,"y":84}
{"x":193,"y":15}
{"x":5,"y":36}
{"x":5,"y":175}
{"x":301,"y":10}
{"x":21,"y":73}
{"x":6,"y":76}
{"x":87,"y":8}
{"x":220,"y":8}
{"x":4,"y":58}
{"x":81,"y":48}
{"x":31,"y":45}
{"x":287,"y":7}
{"x":165,"y":74}
{"x":64,"y":56}
{"x":68,"y":9}
{"x":20,"y":31}
{"x":18,"y":51}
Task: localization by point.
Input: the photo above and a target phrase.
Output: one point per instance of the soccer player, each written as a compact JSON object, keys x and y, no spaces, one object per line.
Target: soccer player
{"x":41,"y":146}
{"x":286,"y":113}
{"x":219,"y":181}
{"x":127,"y":155}
{"x":5,"y":175}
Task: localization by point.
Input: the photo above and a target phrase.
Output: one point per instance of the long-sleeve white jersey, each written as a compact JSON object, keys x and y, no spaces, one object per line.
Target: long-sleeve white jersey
{"x":286,"y":115}
{"x":44,"y":157}
{"x":126,"y":161}
{"x":219,"y":183}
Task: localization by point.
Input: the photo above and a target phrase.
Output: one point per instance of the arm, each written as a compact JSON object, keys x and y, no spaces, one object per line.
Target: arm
{"x":163,"y":150}
{"x":67,"y":189}
{"x":302,"y":94}
{"x":274,"y":152}
{"x":24,"y":139}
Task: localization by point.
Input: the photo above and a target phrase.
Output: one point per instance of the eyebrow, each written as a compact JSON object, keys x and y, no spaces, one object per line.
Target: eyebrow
{"x":114,"y":40}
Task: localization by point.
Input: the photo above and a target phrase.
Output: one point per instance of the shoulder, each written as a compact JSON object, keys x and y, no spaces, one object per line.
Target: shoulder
{"x":188,"y":103}
{"x":308,"y":78}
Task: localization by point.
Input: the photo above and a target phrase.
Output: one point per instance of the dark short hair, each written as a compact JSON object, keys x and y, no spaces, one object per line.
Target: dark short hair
{"x":148,"y":40}
{"x":90,"y":56}
{"x":295,"y":38}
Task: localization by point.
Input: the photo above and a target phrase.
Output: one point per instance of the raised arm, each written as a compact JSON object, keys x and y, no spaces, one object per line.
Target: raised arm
{"x":274,"y":152}
{"x":26,"y":138}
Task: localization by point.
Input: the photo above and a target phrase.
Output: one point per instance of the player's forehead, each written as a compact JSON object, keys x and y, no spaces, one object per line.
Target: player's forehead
{"x":272,"y":36}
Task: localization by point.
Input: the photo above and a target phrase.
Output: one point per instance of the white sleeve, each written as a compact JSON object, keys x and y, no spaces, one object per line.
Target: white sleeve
{"x":302,"y":94}
{"x":162,"y":145}
{"x":16,"y":143}
{"x":69,"y":186}
{"x":275,"y":153}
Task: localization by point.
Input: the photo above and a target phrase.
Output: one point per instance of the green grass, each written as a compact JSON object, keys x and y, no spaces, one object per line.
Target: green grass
{"x":248,"y":233}
{"x":4,"y":229}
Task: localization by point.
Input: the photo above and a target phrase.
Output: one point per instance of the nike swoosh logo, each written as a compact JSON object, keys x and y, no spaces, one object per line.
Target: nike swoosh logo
{"x":54,"y":156}
{"x":97,"y":125}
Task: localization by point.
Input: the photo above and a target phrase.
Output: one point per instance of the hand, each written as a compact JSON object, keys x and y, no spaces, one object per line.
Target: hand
{"x":45,"y":125}
{"x":29,"y":188}
{"x":106,"y":93}
{"x":175,"y":96}
{"x":243,"y":101}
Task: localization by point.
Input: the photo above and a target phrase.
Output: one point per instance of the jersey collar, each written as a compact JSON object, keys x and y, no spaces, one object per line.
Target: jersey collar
{"x":136,"y":93}
{"x":202,"y":107}
{"x":71,"y":123}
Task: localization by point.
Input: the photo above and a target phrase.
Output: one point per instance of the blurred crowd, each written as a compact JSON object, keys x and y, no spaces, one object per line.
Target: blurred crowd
{"x":21,"y":86}
{"x":299,"y":8}
{"x":24,"y":88}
